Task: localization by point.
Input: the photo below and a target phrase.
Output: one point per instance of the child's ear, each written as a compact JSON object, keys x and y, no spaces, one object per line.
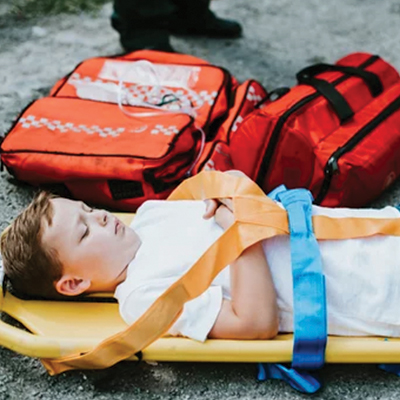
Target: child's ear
{"x":72,"y":286}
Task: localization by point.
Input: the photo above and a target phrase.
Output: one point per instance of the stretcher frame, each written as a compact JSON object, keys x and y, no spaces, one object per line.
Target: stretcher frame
{"x":59,"y":328}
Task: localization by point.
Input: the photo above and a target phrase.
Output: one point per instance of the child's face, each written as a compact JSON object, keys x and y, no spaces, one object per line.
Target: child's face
{"x":93,"y":246}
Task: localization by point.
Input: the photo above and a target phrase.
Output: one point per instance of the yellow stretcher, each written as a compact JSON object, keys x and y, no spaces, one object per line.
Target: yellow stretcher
{"x":58,"y":329}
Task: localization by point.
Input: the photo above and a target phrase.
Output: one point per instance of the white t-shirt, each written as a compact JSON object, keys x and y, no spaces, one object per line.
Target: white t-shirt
{"x":362,"y":275}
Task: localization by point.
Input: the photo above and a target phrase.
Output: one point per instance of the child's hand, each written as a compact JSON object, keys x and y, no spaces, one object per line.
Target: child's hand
{"x":213,"y":204}
{"x":222,"y":210}
{"x":211,"y":207}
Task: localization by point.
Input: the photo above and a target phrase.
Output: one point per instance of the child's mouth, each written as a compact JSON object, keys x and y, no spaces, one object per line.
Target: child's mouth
{"x":119,"y":226}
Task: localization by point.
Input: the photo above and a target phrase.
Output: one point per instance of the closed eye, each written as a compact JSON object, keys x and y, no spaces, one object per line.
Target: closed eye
{"x":86,"y":233}
{"x":87,"y":209}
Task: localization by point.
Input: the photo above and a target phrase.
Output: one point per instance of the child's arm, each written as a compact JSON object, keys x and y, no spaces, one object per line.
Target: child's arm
{"x":252,"y":312}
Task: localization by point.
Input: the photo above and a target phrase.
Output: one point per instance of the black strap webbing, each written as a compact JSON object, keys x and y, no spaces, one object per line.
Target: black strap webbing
{"x":372,"y":80}
{"x":334,"y":97}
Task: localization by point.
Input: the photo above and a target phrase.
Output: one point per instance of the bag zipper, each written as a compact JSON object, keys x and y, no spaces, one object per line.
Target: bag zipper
{"x":332,"y":166}
{"x":283,"y":118}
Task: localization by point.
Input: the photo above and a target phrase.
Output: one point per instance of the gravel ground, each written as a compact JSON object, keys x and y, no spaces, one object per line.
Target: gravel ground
{"x":280,"y":38}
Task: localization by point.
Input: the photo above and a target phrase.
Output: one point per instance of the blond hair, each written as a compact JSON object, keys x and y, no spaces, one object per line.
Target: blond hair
{"x":30,"y":266}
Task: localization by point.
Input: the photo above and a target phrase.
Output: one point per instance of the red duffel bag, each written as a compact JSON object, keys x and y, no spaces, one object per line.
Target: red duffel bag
{"x":336,"y":133}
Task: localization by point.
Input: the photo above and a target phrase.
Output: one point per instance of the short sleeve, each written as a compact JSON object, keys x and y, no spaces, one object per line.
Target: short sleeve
{"x":133,"y":303}
{"x":198,"y":315}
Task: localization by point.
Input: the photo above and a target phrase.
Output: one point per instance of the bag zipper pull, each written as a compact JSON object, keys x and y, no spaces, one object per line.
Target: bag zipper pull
{"x":332,"y":166}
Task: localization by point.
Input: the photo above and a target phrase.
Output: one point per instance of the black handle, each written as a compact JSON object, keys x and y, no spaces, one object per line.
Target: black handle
{"x":273,"y":95}
{"x":331,"y":94}
{"x":125,"y":189}
{"x":372,"y":80}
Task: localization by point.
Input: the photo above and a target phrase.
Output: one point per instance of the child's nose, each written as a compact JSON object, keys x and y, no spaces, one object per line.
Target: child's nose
{"x":102,"y":217}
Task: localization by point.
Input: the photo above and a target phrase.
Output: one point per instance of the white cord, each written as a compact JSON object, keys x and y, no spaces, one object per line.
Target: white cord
{"x":156,"y":93}
{"x":203,"y":142}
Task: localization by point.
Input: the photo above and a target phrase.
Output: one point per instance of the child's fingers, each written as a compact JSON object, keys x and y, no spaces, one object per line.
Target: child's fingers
{"x":211,"y":207}
{"x":227,"y":202}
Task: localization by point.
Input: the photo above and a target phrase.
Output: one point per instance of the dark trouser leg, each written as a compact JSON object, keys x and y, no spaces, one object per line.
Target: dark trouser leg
{"x":194,"y":17}
{"x":143,"y":23}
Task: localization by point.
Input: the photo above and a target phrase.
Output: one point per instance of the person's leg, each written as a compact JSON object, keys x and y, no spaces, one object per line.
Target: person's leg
{"x":192,"y":8}
{"x":143,"y":23}
{"x":194,"y":17}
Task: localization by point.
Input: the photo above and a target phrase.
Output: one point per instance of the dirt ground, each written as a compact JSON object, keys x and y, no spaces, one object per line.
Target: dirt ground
{"x":280,"y":38}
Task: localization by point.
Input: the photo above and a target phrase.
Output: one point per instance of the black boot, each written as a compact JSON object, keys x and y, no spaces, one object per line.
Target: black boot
{"x":208,"y":25}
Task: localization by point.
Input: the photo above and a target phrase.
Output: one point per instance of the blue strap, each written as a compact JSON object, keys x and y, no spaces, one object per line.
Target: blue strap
{"x":309,"y":302}
{"x":392,"y":368}
{"x":302,"y":381}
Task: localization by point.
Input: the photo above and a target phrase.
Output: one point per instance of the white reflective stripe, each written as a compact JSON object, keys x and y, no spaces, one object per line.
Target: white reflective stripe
{"x":235,"y":125}
{"x":31,"y":121}
{"x":166,"y":130}
{"x":252,"y":96}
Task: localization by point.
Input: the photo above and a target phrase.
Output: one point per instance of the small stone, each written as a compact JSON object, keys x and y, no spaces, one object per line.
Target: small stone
{"x":38,"y":31}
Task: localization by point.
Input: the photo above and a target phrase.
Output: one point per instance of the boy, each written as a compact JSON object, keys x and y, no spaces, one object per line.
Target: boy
{"x":82,"y":250}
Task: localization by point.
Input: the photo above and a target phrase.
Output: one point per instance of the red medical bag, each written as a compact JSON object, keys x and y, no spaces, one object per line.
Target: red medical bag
{"x":120,"y":130}
{"x":336,"y":133}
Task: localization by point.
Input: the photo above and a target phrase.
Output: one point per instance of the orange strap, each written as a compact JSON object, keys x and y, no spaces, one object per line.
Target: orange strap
{"x":256,"y":218}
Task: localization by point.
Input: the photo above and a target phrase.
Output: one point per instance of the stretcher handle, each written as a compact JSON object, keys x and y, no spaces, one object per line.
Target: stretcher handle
{"x":44,"y":347}
{"x":339,"y":104}
{"x":31,"y":345}
{"x":372,"y":80}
